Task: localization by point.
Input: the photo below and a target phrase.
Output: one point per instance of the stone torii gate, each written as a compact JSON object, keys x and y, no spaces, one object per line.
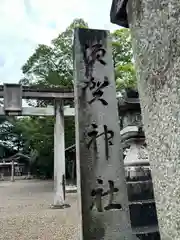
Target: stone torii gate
{"x":13,"y":95}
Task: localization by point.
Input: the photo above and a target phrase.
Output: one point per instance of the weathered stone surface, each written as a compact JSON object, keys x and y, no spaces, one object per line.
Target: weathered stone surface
{"x":95,"y":167}
{"x":155,"y":27}
{"x":136,"y":153}
{"x":132,"y":119}
{"x":59,"y":157}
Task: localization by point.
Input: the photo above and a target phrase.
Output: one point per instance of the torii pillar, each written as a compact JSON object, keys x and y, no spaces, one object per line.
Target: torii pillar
{"x":155,"y":29}
{"x":59,"y":158}
{"x":13,"y":95}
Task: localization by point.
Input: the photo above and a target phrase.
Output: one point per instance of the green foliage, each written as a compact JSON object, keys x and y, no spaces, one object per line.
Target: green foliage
{"x":121,"y":46}
{"x":5,"y":149}
{"x":122,"y":55}
{"x":52,"y":66}
{"x":11,"y":134}
{"x":125,"y":77}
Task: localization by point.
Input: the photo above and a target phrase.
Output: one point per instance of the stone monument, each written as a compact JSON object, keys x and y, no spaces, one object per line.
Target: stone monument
{"x":102,"y":191}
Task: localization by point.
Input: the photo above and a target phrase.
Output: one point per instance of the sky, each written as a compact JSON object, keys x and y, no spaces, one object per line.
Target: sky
{"x":26,"y":23}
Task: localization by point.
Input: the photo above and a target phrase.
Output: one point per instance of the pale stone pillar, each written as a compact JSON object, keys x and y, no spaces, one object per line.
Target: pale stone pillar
{"x":12,"y":171}
{"x":155,"y":28}
{"x":59,"y":158}
{"x":102,"y":193}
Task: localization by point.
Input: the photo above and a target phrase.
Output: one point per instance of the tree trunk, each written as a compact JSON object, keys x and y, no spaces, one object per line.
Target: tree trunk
{"x":155,"y":28}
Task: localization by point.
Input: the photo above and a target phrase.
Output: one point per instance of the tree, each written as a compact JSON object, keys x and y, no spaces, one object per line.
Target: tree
{"x":123,"y":60}
{"x":6,"y":149}
{"x":51,"y":66}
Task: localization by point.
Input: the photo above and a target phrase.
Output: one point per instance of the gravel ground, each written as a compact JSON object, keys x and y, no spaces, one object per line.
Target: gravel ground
{"x":25,"y":213}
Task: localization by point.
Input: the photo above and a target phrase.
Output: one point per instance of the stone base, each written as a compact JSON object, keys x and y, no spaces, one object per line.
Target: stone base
{"x":71,"y":189}
{"x":63,"y":206}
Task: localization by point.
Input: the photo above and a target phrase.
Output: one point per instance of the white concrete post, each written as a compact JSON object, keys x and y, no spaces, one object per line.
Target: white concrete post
{"x":12,"y":170}
{"x":2,"y":176}
{"x":59,"y":157}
